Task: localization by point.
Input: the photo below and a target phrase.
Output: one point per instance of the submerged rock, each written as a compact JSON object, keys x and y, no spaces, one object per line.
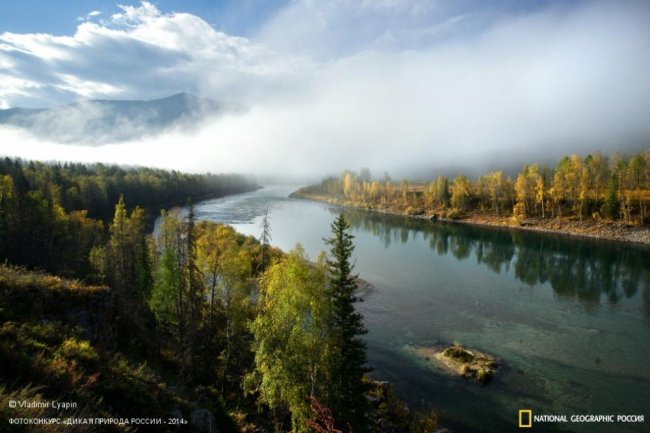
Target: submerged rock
{"x":468,"y":363}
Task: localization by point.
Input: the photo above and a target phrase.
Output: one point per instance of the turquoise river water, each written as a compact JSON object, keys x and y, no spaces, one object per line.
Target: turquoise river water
{"x":570,"y":317}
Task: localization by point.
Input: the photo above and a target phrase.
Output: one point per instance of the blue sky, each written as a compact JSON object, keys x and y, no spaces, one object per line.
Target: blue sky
{"x":240,"y":17}
{"x":44,"y":16}
{"x":423,"y":81}
{"x":58,"y":52}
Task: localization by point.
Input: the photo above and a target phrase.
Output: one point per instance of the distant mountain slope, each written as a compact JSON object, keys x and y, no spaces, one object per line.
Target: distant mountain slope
{"x":96,"y":122}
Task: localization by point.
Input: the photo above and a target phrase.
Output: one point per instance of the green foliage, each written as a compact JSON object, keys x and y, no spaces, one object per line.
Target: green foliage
{"x":53,"y":215}
{"x":78,"y":349}
{"x":461,"y":193}
{"x":45,"y":355}
{"x":216,"y":269}
{"x":576,"y":188}
{"x":189,"y":307}
{"x":170,"y":296}
{"x":348,"y":361}
{"x":291,"y":333}
{"x":391,"y":414}
{"x":127,"y":270}
{"x":233,"y":295}
{"x":167,"y":279}
{"x":612,"y":205}
{"x":458,"y":352}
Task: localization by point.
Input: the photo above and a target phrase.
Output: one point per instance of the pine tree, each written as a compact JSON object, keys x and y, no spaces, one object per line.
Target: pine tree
{"x":194,"y":288}
{"x":128,"y":270}
{"x":349,"y":363}
{"x":119,"y":250}
{"x":265,"y":240}
{"x":7,"y":214}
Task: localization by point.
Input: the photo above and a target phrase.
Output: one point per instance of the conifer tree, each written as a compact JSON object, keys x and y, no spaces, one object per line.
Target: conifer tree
{"x":128,"y":269}
{"x":118,"y":246}
{"x":349,"y":363}
{"x":194,"y":287}
{"x":265,"y":240}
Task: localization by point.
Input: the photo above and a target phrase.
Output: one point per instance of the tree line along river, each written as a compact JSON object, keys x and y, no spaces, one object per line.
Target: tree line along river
{"x":570,"y":317}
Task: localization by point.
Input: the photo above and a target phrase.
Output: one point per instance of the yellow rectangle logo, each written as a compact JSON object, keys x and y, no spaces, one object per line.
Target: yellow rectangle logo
{"x":525,"y":418}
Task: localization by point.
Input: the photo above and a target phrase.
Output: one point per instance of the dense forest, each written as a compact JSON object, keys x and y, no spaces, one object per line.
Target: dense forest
{"x":197,"y":327}
{"x":52,"y":215}
{"x":591,"y":188}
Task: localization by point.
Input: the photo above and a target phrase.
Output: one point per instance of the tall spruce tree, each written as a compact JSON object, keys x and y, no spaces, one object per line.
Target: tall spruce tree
{"x":349,"y":363}
{"x":265,"y":240}
{"x":128,"y":270}
{"x":194,"y":289}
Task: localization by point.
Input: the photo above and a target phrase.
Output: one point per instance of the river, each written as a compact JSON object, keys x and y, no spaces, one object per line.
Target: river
{"x":570,"y":317}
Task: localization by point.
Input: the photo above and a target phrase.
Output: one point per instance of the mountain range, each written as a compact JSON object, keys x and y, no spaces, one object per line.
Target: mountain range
{"x":101,"y":121}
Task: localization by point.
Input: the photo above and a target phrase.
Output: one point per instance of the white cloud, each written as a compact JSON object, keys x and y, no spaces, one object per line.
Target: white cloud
{"x":89,"y":16}
{"x":527,"y":86}
{"x":138,"y":53}
{"x":86,"y":88}
{"x":330,"y":29}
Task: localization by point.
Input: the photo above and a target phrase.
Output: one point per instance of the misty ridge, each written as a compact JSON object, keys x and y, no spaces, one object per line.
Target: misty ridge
{"x":411,"y":90}
{"x":97,"y":122}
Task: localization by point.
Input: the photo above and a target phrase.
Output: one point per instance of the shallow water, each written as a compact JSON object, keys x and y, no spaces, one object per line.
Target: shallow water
{"x":570,"y":317}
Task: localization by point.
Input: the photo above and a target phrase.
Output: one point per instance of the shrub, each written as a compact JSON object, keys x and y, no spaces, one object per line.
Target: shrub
{"x":79,"y":349}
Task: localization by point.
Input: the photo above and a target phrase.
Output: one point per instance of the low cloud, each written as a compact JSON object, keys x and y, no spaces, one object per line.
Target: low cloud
{"x":531,"y":85}
{"x":100,"y":122}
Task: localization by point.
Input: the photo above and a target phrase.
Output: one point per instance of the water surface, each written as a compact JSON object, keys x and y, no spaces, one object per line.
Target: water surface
{"x":570,"y":317}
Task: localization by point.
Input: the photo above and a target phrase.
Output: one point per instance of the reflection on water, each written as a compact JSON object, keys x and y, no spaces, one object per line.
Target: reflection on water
{"x":587,"y":270}
{"x":569,"y":316}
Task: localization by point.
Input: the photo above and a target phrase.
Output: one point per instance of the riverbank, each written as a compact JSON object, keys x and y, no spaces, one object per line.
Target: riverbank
{"x":607,"y":230}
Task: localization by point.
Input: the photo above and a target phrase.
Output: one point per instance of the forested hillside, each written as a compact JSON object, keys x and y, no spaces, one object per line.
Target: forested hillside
{"x":593,"y":187}
{"x":52,"y":215}
{"x":197,"y":328}
{"x":142,"y":344}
